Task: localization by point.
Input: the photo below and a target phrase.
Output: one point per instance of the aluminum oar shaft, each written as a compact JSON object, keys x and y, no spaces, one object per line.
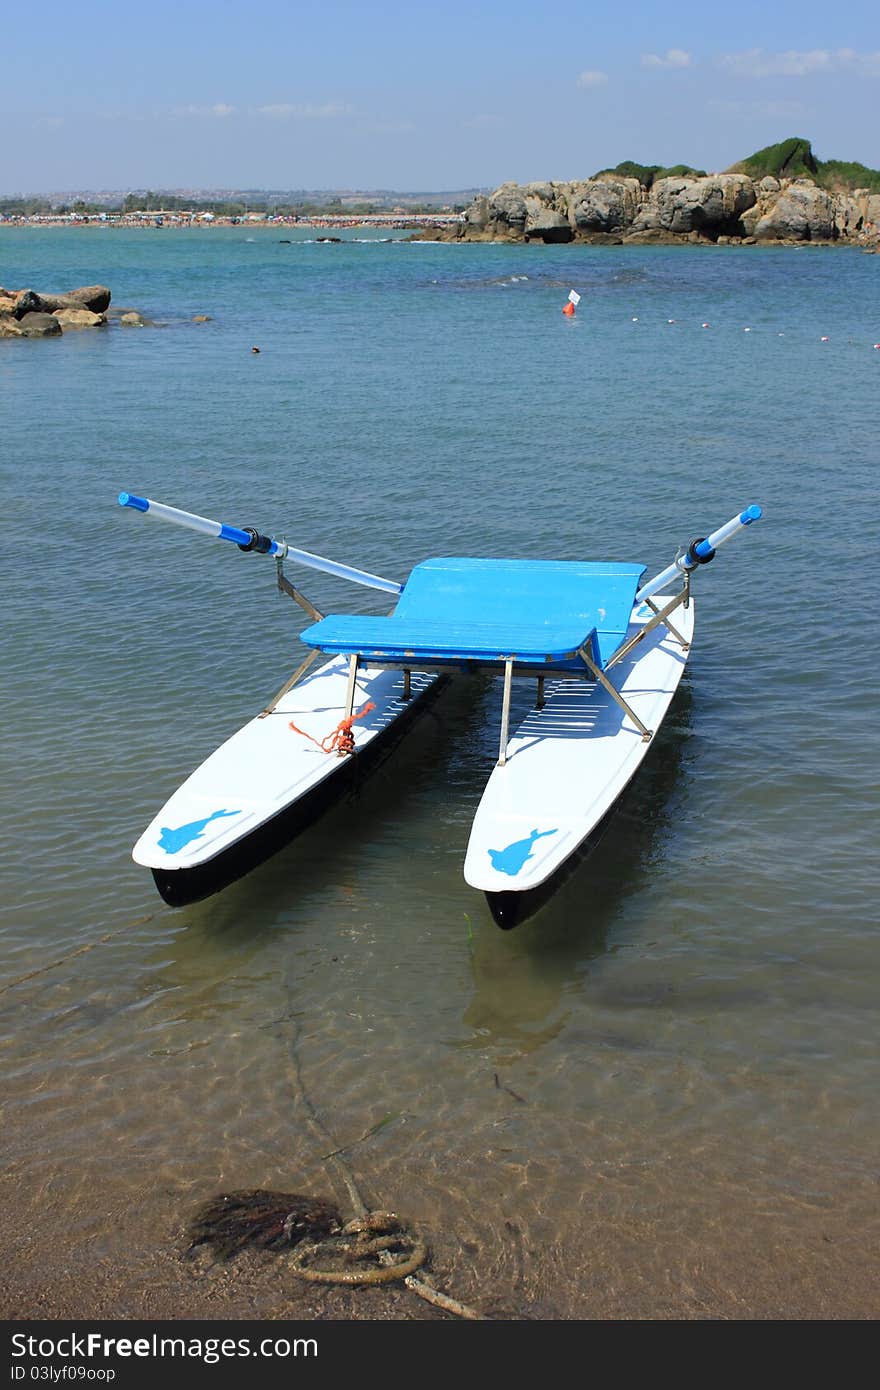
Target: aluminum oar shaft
{"x":249,"y":539}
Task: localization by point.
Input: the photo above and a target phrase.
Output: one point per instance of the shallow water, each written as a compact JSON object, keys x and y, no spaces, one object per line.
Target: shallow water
{"x":657,"y":1098}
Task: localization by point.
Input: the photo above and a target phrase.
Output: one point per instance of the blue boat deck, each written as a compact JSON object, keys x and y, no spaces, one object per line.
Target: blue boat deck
{"x":534,"y":612}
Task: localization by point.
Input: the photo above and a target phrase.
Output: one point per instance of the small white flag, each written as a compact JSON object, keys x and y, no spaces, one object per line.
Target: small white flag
{"x":574,"y":298}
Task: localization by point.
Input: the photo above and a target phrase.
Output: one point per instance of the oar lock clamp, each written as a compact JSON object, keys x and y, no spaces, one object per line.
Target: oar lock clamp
{"x":258,"y":542}
{"x":697,"y":557}
{"x":687,"y":560}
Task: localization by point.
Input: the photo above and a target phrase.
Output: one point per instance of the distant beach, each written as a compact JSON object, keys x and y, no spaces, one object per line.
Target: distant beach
{"x":203,"y":221}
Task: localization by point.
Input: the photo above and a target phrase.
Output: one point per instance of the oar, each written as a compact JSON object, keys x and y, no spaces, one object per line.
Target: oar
{"x":246,"y":538}
{"x":700,"y":552}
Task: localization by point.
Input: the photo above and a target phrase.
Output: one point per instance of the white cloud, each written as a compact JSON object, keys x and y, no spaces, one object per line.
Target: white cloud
{"x":219,"y":109}
{"x":673,"y":58}
{"x":285,"y":110}
{"x":50,"y":122}
{"x":756,"y":62}
{"x":592,"y":78}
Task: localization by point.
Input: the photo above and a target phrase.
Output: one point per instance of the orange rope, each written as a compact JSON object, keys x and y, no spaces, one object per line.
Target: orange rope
{"x":341,"y":739}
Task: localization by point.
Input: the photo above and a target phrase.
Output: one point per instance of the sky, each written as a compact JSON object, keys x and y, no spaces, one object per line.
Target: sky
{"x":328,"y":94}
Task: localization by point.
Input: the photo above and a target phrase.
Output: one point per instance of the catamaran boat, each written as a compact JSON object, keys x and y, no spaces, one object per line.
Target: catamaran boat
{"x":603,"y":650}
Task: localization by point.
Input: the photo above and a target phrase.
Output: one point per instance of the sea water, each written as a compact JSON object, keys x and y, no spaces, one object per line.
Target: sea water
{"x":656,"y":1098}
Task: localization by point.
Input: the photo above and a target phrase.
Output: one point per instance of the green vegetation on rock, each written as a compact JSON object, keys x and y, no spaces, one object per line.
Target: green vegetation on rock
{"x":648,"y":174}
{"x":839,"y":176}
{"x":680,"y":171}
{"x":794,"y":159}
{"x":790,"y":159}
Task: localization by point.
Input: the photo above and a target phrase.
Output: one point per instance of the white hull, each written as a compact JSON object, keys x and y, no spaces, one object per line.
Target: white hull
{"x":266,"y":768}
{"x":568,"y":763}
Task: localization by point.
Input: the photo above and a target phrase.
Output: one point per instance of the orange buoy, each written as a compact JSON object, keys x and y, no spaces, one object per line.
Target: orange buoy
{"x":568,"y":309}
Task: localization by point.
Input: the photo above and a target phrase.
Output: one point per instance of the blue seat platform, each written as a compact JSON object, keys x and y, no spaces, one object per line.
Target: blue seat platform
{"x":535,"y":612}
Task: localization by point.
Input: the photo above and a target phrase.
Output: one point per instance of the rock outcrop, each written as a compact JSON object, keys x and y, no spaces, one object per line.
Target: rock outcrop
{"x":603,"y":207}
{"x":727,"y":208}
{"x":712,"y":206}
{"x":78,"y":318}
{"x":95,"y":298}
{"x":30,"y":314}
{"x":36,"y":325}
{"x":799,"y":212}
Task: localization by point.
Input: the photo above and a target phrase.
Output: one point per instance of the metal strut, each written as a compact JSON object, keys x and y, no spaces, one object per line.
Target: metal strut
{"x":682,"y":641}
{"x":288,"y":685}
{"x":353,"y":662}
{"x":661,"y":615}
{"x":603,"y":680}
{"x":505,"y":712}
{"x":286,"y":587}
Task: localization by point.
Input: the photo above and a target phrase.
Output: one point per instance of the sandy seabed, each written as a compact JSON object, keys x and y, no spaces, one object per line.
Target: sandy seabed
{"x":63,"y":1263}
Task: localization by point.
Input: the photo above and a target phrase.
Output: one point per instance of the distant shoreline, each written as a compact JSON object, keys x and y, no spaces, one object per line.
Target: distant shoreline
{"x":176,"y":222}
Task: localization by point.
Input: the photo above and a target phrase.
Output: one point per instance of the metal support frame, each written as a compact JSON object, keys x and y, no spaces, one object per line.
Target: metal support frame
{"x":603,"y":680}
{"x":682,"y":642}
{"x":661,"y":615}
{"x":285,"y":587}
{"x":353,"y":663}
{"x":288,"y":685}
{"x":505,"y":712}
{"x":511,"y":667}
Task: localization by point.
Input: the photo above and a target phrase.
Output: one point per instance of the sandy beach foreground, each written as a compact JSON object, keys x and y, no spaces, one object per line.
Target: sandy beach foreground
{"x":121,"y":1256}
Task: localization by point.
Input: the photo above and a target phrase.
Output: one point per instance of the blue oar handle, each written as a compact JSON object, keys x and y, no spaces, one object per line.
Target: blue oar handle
{"x":246,"y":538}
{"x":237,"y":534}
{"x":704,"y":550}
{"x":701,"y":551}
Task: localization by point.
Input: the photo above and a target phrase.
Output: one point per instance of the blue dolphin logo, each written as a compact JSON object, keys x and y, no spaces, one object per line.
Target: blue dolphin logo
{"x":171,"y":840}
{"x":511,"y":859}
